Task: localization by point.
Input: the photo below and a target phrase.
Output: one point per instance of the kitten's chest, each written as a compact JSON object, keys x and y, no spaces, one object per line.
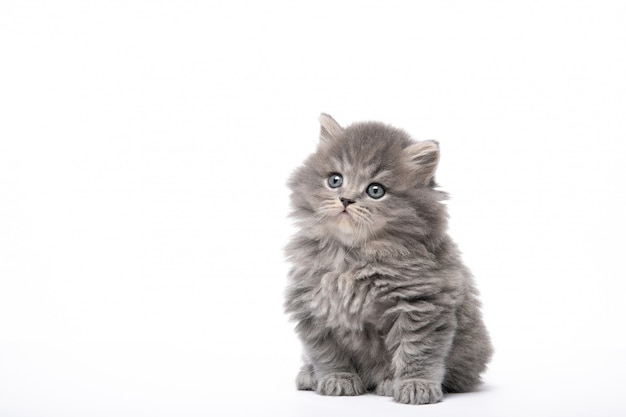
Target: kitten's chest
{"x":344,"y":298}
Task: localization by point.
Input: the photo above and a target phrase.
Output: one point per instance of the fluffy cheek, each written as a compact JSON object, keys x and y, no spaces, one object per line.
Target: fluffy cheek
{"x":375,"y":219}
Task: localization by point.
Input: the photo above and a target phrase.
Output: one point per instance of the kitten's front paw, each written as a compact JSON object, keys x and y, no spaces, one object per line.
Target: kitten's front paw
{"x":340,"y":383}
{"x":417,"y":391}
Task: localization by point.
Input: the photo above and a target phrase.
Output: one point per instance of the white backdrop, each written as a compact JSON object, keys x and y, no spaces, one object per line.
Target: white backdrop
{"x":144,"y":150}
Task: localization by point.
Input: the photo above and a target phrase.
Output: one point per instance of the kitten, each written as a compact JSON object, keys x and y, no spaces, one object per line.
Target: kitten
{"x":380,"y":297}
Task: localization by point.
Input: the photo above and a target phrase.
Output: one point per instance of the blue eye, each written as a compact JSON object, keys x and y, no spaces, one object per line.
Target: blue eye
{"x":375,"y":191}
{"x":335,"y":180}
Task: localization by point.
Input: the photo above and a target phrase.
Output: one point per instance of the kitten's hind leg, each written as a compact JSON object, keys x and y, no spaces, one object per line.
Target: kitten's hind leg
{"x":306,"y":379}
{"x":471,"y":350}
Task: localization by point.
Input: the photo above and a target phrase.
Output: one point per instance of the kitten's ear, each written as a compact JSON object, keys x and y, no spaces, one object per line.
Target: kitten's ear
{"x":329,"y":128}
{"x":423,"y":158}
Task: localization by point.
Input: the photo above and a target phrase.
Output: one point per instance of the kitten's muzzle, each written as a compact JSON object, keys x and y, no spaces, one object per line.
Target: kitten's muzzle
{"x":346,"y":201}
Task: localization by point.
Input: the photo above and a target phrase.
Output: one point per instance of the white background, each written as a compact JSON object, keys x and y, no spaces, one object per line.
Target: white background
{"x":144,"y":150}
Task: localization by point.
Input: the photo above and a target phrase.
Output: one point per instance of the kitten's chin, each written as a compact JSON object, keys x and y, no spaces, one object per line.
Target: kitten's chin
{"x":345,"y":224}
{"x":344,"y":229}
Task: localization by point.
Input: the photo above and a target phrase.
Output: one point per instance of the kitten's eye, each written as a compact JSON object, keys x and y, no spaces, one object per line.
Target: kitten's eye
{"x":335,"y":181}
{"x":375,"y":191}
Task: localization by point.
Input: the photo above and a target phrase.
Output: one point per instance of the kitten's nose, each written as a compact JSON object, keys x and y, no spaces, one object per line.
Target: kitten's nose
{"x":346,"y":201}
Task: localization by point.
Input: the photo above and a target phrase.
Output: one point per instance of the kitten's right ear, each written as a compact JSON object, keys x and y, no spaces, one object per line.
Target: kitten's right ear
{"x":329,"y":128}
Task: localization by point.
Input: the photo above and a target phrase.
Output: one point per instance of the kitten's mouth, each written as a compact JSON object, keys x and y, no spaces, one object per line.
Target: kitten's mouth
{"x":345,"y":218}
{"x":345,"y":213}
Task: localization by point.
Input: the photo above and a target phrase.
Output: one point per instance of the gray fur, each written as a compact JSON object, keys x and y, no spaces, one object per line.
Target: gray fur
{"x":379,"y":295}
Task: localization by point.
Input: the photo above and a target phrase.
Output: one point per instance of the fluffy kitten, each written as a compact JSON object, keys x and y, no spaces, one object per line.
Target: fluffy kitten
{"x":380,"y":297}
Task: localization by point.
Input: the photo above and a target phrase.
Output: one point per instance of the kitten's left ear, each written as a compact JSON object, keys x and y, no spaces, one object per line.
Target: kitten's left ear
{"x":423,"y":158}
{"x":329,"y":128}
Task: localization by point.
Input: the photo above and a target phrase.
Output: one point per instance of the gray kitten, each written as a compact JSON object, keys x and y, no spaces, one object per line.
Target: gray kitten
{"x":381,"y":299}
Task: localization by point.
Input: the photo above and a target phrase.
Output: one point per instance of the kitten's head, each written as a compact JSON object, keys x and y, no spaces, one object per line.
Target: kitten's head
{"x":368,"y":181}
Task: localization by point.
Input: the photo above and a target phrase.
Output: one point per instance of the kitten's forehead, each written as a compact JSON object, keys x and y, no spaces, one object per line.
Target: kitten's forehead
{"x":370,"y":148}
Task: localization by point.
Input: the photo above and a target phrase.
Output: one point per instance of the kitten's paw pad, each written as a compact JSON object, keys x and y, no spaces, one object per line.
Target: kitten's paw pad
{"x":385,"y":388}
{"x":340,"y":383}
{"x":306,"y":380}
{"x":417,"y":391}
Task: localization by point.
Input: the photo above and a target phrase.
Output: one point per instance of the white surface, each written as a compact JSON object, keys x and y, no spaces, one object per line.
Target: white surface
{"x":144,"y":148}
